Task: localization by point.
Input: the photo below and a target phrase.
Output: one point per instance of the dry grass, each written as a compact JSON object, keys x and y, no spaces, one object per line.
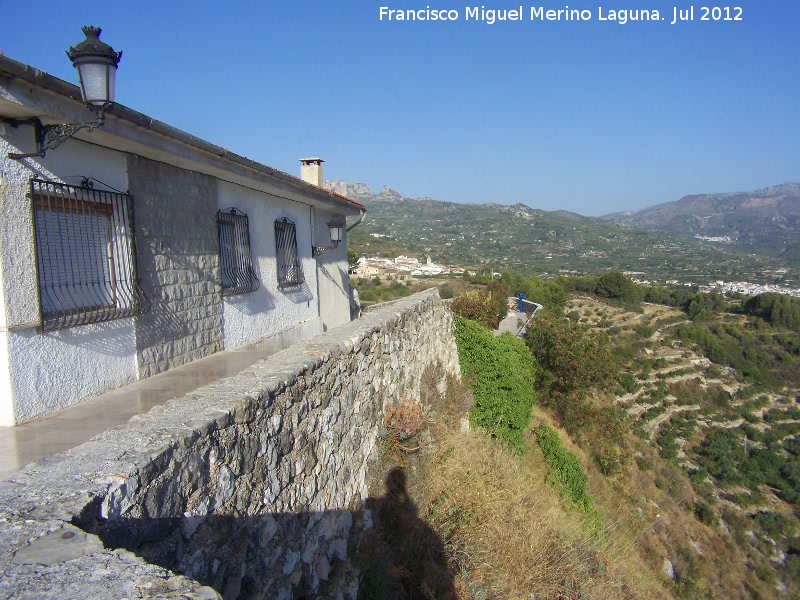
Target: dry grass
{"x":509,"y":535}
{"x":508,"y":532}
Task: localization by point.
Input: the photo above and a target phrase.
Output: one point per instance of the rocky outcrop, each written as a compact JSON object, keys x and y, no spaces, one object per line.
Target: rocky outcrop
{"x":354,"y":191}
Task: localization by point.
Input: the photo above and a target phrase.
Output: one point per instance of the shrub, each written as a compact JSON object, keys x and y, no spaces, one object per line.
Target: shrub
{"x":628,"y":383}
{"x":566,"y":473}
{"x":569,"y":357}
{"x":644,"y":330}
{"x":499,"y":370}
{"x":775,"y":524}
{"x":484,"y":307}
{"x":704,"y":513}
{"x":698,"y":476}
{"x":403,"y":422}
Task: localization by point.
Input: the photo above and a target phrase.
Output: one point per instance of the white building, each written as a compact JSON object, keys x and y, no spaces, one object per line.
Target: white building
{"x":137,"y":247}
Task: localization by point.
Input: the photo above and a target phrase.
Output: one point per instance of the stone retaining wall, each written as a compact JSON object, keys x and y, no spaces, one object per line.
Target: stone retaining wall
{"x":250,"y":486}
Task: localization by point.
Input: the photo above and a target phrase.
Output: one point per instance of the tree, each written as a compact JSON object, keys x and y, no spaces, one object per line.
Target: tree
{"x":616,"y":285}
{"x":570,"y":357}
{"x":705,"y":306}
{"x":352,"y":258}
{"x":779,"y":310}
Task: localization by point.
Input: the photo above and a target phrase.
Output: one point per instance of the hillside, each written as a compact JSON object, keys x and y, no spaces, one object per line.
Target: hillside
{"x":537,"y":242}
{"x":664,"y":476}
{"x":735,"y":438}
{"x":671,"y":436}
{"x":765,"y":221}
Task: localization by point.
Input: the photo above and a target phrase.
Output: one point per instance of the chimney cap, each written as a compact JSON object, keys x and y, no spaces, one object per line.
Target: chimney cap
{"x":311,"y":161}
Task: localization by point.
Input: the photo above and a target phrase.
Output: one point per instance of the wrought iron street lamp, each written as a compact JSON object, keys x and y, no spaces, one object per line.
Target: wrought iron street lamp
{"x":95,"y":63}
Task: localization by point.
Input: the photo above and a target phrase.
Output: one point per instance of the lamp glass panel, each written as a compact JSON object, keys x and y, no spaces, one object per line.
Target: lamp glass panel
{"x":336,"y":234}
{"x":97,"y":82}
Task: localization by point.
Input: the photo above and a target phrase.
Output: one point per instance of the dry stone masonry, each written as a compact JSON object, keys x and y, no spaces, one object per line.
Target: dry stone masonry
{"x":248,"y":488}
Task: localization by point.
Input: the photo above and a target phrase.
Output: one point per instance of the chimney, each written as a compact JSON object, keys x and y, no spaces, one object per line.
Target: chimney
{"x":311,"y":171}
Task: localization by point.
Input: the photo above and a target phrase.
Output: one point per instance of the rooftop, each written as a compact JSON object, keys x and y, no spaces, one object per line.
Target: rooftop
{"x":27,"y":92}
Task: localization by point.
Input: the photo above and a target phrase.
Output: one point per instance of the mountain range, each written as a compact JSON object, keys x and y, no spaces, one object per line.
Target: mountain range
{"x":766,"y":221}
{"x":749,"y":236}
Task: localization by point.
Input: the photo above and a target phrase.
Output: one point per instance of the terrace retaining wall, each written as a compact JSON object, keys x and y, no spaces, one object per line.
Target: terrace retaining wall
{"x":249,"y":487}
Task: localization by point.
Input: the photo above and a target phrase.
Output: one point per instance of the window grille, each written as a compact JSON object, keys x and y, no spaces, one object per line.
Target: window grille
{"x":85,"y":255}
{"x":238,"y":276}
{"x":289,"y":270}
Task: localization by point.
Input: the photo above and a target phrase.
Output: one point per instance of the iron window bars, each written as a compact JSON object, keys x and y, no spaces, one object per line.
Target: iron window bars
{"x":289,"y":270}
{"x":238,"y":276}
{"x":85,"y":255}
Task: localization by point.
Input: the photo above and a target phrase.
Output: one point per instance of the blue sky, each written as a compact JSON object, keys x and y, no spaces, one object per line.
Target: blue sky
{"x":590,"y":116}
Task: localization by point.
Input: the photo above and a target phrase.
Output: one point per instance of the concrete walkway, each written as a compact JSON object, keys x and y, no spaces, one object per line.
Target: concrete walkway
{"x":77,"y":424}
{"x":510,"y":324}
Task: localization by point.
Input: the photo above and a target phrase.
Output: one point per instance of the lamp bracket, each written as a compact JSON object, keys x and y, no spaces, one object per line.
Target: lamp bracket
{"x":51,"y":136}
{"x":317,"y":250}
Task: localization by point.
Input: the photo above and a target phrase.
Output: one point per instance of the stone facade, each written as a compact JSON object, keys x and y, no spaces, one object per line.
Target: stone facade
{"x":251,"y":485}
{"x":178,"y":253}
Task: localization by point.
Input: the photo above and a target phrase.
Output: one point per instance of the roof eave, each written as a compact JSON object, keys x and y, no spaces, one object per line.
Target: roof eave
{"x":16,"y":70}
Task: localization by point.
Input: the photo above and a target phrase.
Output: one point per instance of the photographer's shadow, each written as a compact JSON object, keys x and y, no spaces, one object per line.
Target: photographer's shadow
{"x":403,"y":557}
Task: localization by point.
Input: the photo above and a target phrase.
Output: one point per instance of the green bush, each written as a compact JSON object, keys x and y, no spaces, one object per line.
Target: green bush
{"x":499,"y":370}
{"x":775,"y":524}
{"x":566,"y":473}
{"x":704,"y":513}
{"x":698,"y":476}
{"x":484,"y":307}
{"x":568,"y":356}
{"x":628,"y":383}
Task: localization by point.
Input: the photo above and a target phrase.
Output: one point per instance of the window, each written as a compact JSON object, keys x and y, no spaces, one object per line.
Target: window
{"x":238,"y":276}
{"x":289,"y":271}
{"x":85,"y":255}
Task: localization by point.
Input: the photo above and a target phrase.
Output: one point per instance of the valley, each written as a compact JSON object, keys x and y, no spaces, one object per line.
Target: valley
{"x":552,"y":243}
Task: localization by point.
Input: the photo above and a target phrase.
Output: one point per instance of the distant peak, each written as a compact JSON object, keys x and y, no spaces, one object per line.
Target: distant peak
{"x":388,"y":194}
{"x":784,"y":189}
{"x":356,"y":191}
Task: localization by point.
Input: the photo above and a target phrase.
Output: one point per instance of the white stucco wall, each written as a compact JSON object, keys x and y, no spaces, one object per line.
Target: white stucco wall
{"x":270,"y":309}
{"x":6,"y":407}
{"x":48,"y":372}
{"x":51,"y":371}
{"x":334,"y":288}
